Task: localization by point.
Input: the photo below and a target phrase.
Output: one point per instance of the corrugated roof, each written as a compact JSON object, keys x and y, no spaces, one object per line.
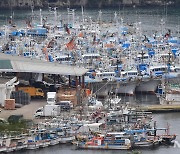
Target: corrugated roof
{"x":22,"y":64}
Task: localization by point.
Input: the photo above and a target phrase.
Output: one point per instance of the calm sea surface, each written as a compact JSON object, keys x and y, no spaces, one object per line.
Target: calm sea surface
{"x":151,"y":19}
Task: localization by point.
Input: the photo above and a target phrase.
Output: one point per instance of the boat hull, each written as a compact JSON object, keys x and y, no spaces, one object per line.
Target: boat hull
{"x":3,"y":149}
{"x":67,"y":139}
{"x":148,"y":86}
{"x":169,"y":99}
{"x":32,"y":146}
{"x":146,"y":144}
{"x":105,"y":147}
{"x":10,"y":149}
{"x":54,"y":142}
{"x":120,"y":87}
{"x":126,"y":88}
{"x":21,"y":147}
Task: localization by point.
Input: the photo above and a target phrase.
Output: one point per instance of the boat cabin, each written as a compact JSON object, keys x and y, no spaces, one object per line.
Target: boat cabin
{"x":63,"y":59}
{"x":158,"y":70}
{"x":143,"y":58}
{"x":96,"y":141}
{"x":108,"y":75}
{"x":129,"y":74}
{"x":91,"y":56}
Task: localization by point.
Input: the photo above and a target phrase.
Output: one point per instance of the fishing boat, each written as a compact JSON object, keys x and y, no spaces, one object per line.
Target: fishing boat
{"x":44,"y":143}
{"x":2,"y":145}
{"x":110,"y":141}
{"x":142,"y":140}
{"x":166,"y":137}
{"x":54,"y":141}
{"x":169,"y":93}
{"x":67,"y":139}
{"x":3,"y":149}
{"x":32,"y":145}
{"x":127,"y":88}
{"x":21,"y":143}
{"x":54,"y":138}
{"x":147,"y":143}
{"x":148,"y":85}
{"x":32,"y":142}
{"x":10,"y":145}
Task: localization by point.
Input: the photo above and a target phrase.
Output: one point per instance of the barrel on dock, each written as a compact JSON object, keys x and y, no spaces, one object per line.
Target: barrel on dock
{"x":88,"y":92}
{"x":20,"y":97}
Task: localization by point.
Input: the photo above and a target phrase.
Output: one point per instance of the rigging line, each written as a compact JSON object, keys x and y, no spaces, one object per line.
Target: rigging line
{"x":101,"y":87}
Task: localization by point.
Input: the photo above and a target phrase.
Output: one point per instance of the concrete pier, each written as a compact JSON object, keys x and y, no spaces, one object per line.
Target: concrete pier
{"x":161,"y":108}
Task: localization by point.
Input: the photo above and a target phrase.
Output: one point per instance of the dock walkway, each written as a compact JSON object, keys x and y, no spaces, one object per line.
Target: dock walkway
{"x":161,"y":108}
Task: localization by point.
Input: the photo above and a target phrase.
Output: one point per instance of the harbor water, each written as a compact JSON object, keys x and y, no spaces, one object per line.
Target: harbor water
{"x":147,"y":17}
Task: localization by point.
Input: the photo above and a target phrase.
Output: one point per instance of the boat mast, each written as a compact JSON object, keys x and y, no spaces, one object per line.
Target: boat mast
{"x":82,"y":11}
{"x":32,"y":13}
{"x":100,"y":17}
{"x":115,"y":18}
{"x":55,"y":16}
{"x":40,"y":13}
{"x":71,"y":15}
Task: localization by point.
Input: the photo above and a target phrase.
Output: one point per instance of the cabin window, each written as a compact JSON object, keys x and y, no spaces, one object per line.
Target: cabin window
{"x":158,"y":69}
{"x":40,"y":110}
{"x":39,"y":90}
{"x":118,"y":138}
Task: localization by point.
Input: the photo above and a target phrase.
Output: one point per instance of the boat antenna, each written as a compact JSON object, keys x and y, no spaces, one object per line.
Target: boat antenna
{"x":40,"y":13}
{"x":82,"y":11}
{"x":169,"y":61}
{"x":142,"y":56}
{"x":100,"y":16}
{"x":71,"y":14}
{"x":32,"y":12}
{"x":115,"y":18}
{"x":168,"y":126}
{"x":55,"y":16}
{"x":155,"y":128}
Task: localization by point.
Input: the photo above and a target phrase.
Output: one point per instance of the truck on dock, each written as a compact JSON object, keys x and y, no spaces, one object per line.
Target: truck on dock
{"x":32,"y":91}
{"x":48,"y":111}
{"x":51,"y":98}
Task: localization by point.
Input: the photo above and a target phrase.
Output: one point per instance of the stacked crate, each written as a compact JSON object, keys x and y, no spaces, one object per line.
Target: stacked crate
{"x":9,"y":104}
{"x":67,"y":95}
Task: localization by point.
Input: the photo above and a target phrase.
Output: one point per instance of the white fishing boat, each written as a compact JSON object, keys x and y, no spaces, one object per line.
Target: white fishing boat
{"x":126,"y":87}
{"x":67,"y":139}
{"x":169,"y":98}
{"x":10,"y":145}
{"x":21,"y":143}
{"x":148,"y":85}
{"x":2,"y":145}
{"x":44,"y":143}
{"x":54,"y":141}
{"x":21,"y":147}
{"x":169,"y":93}
{"x":3,"y":149}
{"x":32,"y":144}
